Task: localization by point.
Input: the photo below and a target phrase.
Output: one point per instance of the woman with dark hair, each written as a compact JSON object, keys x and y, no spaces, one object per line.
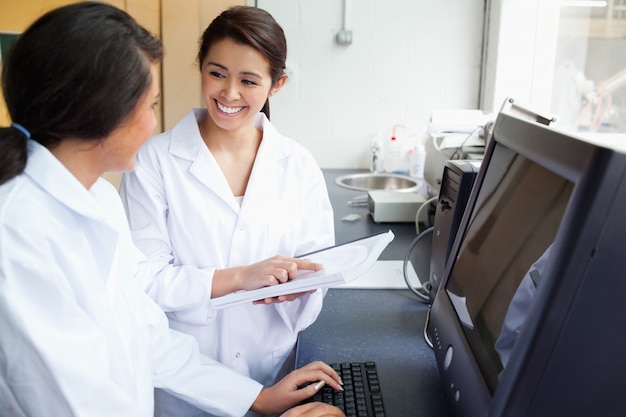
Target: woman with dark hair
{"x":78,"y":337}
{"x":223,"y":202}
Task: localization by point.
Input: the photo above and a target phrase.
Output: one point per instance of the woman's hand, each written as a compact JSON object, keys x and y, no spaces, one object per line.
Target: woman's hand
{"x":314,"y":410}
{"x":281,"y":298}
{"x":275,"y":270}
{"x":272,"y":271}
{"x":289,"y":391}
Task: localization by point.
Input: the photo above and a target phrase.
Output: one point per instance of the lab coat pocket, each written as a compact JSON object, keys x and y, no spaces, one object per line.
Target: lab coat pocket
{"x":284,"y":359}
{"x":282,"y":237}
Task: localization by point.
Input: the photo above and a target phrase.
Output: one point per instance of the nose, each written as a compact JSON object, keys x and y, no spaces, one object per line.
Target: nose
{"x":231,"y":90}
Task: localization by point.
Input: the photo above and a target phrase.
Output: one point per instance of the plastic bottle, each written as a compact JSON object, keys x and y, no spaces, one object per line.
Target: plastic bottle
{"x":395,"y":155}
{"x":417,"y":160}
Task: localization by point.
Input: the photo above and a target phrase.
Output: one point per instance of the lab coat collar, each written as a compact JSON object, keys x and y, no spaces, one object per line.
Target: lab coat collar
{"x":188,"y":141}
{"x":185,"y":142}
{"x":270,"y":153}
{"x":53,"y":177}
{"x":269,"y":166}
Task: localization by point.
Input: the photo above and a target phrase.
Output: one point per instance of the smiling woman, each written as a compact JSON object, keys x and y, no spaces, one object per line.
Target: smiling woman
{"x":74,"y":322}
{"x":236,"y":84}
{"x":223,"y":202}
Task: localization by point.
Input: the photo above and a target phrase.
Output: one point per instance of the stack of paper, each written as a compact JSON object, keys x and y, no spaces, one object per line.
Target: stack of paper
{"x":342,"y":264}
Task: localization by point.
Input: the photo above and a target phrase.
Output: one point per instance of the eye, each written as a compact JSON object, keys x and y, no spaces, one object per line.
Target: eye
{"x":249,"y":82}
{"x":155,"y":103}
{"x":216,"y":74}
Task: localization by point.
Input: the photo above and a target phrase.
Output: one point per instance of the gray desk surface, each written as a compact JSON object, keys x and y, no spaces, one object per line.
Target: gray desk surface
{"x":347,"y":231}
{"x":385,"y":326}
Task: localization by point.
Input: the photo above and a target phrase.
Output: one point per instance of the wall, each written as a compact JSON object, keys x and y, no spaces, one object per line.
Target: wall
{"x":407,"y":58}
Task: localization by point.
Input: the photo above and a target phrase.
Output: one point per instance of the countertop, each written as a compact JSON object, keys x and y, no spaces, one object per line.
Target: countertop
{"x":347,"y":231}
{"x":383,"y":325}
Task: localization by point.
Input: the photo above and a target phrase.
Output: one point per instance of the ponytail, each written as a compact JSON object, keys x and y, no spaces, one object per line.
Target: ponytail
{"x":13,"y":153}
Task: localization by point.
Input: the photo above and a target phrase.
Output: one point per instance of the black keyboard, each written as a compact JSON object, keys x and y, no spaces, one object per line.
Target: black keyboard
{"x":361,"y":396}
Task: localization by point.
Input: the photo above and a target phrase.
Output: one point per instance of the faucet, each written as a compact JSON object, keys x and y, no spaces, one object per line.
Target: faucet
{"x":376,"y":160}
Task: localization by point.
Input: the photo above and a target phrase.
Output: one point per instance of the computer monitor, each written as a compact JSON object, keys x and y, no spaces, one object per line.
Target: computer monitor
{"x":529,"y":316}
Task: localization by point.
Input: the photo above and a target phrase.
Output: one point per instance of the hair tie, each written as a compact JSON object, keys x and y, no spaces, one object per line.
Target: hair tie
{"x":21,"y":129}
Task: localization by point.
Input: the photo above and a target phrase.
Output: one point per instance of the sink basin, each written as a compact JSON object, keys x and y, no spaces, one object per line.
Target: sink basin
{"x":378,"y":181}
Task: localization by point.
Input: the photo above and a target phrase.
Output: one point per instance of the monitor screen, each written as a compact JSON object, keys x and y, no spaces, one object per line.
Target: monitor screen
{"x":535,"y":267}
{"x":515,"y":219}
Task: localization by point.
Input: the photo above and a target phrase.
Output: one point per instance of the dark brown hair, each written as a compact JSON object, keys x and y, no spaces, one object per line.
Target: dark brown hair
{"x":250,"y":26}
{"x":78,"y":71}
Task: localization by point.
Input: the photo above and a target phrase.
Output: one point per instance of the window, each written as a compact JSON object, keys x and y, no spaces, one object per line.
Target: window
{"x":589,"y":86}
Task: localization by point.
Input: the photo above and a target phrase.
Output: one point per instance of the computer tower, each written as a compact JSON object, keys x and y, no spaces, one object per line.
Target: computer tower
{"x":437,"y":154}
{"x":456,"y":184}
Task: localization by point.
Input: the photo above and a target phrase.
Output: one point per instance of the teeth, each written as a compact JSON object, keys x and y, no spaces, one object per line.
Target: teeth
{"x":229,"y":110}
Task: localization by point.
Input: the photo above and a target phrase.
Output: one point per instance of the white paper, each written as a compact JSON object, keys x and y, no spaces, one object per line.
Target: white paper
{"x":388,"y":274}
{"x":342,"y":264}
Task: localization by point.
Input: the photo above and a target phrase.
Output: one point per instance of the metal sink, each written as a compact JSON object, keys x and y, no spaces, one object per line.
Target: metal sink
{"x":378,"y":181}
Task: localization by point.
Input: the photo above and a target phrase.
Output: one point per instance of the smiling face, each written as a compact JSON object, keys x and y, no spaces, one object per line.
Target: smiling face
{"x":236,"y":83}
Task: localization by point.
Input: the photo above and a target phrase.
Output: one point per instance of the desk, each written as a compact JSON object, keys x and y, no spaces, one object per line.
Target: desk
{"x":375,"y":324}
{"x":346,"y":231}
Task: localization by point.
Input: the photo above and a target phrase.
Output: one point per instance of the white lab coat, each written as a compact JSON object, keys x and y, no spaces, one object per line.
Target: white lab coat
{"x":184,"y":216}
{"x":78,"y":336}
{"x":518,"y":309}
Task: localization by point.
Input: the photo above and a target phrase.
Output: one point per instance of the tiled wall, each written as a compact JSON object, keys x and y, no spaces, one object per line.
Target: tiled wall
{"x":407,"y":58}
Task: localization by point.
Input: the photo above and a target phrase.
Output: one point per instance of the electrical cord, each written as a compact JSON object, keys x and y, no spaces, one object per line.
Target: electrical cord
{"x":425,"y":206}
{"x":458,"y":152}
{"x":426,"y":337}
{"x":423,"y":292}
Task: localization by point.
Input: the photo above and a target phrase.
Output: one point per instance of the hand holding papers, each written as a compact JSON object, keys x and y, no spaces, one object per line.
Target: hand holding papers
{"x":342,"y":264}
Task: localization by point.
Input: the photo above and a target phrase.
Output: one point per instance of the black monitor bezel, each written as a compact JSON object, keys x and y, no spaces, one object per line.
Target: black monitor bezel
{"x":543,"y":145}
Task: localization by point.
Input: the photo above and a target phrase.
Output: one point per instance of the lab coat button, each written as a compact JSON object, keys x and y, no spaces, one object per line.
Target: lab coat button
{"x":241,"y":227}
{"x":237,"y":355}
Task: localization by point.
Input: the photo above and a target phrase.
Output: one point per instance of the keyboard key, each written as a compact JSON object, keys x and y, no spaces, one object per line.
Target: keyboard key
{"x":361,"y":396}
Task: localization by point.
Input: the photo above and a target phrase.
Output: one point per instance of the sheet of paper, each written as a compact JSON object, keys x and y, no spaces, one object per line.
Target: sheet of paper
{"x":342,"y":263}
{"x":342,"y":258}
{"x":385,"y":275}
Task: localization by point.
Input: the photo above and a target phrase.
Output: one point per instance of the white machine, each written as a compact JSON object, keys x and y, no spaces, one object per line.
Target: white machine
{"x":394,"y":206}
{"x":452,"y":135}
